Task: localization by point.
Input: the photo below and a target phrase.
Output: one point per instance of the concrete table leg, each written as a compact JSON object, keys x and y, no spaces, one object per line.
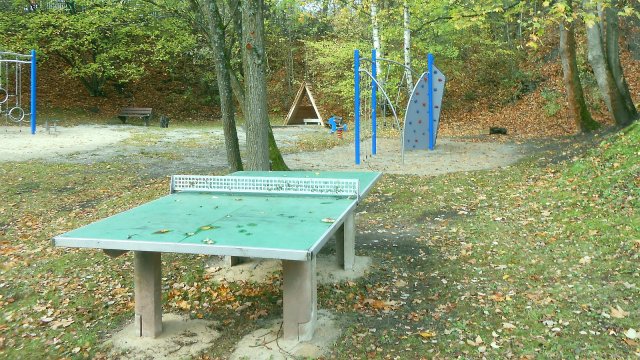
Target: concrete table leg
{"x":231,"y":261}
{"x":346,"y":243}
{"x":148,"y":288}
{"x":300,"y":299}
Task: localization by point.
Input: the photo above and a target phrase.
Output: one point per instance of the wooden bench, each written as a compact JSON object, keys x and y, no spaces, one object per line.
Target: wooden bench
{"x":312,"y":121}
{"x":143,"y":113}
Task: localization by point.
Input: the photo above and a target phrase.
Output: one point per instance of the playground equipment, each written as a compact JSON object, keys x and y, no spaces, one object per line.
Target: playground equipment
{"x":304,"y":109}
{"x":422,"y":115}
{"x":336,"y":123}
{"x":11,"y":91}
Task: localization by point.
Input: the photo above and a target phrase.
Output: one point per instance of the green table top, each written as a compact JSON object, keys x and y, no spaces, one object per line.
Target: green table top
{"x":251,"y":225}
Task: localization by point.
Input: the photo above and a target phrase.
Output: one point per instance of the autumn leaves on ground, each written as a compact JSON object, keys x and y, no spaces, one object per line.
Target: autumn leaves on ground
{"x":536,"y":260}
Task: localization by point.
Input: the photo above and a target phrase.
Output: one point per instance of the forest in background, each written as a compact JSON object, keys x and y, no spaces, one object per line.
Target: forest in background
{"x":98,"y":56}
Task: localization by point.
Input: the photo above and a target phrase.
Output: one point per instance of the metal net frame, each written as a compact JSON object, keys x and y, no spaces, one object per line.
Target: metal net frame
{"x":11,"y":87}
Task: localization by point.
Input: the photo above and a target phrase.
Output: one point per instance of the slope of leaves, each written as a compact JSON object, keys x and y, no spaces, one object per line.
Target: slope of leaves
{"x":530,"y":262}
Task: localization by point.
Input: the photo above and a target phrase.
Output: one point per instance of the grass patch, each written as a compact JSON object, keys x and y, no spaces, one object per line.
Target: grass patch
{"x":537,"y":260}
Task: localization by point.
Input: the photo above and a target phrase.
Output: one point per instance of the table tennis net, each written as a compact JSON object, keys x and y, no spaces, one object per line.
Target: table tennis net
{"x":263,"y":185}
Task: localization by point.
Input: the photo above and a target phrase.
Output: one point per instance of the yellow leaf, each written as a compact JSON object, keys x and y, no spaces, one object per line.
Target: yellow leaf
{"x":162,"y":231}
{"x":427,"y":334}
{"x":183,"y":304}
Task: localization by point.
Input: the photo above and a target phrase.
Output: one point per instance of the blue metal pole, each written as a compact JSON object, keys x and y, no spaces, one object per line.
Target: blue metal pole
{"x":374,"y":96}
{"x":432,"y":137}
{"x":356,"y":103}
{"x":33,"y":91}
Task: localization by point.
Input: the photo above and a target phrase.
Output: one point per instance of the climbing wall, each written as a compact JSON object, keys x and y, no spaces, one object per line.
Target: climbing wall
{"x":416,"y":118}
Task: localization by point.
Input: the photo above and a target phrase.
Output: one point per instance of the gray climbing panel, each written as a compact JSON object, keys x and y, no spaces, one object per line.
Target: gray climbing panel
{"x":416,"y":118}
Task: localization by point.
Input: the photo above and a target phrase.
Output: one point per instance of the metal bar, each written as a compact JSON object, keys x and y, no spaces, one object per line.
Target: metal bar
{"x":393,"y":109}
{"x":374,"y":95}
{"x":33,"y":91}
{"x":394,"y":62}
{"x":430,"y":92}
{"x":2,"y":53}
{"x":356,"y":103}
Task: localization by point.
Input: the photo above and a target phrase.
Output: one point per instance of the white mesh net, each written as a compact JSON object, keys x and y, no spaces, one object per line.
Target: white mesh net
{"x":262,"y":185}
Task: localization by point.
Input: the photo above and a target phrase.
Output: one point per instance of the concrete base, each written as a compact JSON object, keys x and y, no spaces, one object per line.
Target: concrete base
{"x":267,"y":343}
{"x":182,"y":338}
{"x":262,"y":270}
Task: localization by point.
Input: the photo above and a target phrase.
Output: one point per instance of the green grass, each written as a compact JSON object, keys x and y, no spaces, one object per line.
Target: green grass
{"x":529,"y":261}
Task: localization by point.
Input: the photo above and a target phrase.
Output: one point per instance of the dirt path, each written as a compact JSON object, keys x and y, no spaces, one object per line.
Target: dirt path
{"x":200,"y":150}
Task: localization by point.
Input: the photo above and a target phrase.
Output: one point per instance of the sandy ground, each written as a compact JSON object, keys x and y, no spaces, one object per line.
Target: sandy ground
{"x":204,"y":153}
{"x":18,"y":144}
{"x":91,"y":143}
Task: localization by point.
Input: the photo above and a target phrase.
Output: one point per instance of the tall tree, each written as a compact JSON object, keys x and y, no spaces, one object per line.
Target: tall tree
{"x":603,"y":55}
{"x":575,"y":95}
{"x":407,"y":45}
{"x":375,"y":33}
{"x":216,"y":33}
{"x":261,"y":146}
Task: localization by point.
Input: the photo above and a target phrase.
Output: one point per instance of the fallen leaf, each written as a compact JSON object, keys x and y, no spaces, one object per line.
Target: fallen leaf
{"x":630,"y":342}
{"x":427,"y":334}
{"x":585,"y":260}
{"x":508,"y":326}
{"x":162,"y":231}
{"x":618,"y":313}
{"x":183,"y":304}
{"x":328,"y":220}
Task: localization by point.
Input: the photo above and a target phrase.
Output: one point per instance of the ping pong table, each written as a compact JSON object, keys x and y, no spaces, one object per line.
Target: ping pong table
{"x":280,"y":215}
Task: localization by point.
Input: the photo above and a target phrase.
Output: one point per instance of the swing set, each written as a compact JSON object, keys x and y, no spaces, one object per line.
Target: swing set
{"x":421,"y":117}
{"x":11,"y":76}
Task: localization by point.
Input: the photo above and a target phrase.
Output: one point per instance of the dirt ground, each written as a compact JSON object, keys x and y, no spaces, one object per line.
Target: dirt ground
{"x":201,"y":150}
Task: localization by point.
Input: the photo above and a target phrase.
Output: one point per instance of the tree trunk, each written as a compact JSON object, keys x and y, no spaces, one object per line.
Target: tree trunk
{"x":407,"y":47}
{"x":236,"y":76}
{"x":238,"y":91}
{"x":253,"y":61}
{"x":211,"y":13}
{"x":375,"y":30}
{"x":604,"y":77}
{"x":612,"y":32}
{"x":577,"y":105}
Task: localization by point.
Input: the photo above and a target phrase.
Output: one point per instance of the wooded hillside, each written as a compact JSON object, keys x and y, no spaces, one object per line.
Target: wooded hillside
{"x":502,"y":61}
